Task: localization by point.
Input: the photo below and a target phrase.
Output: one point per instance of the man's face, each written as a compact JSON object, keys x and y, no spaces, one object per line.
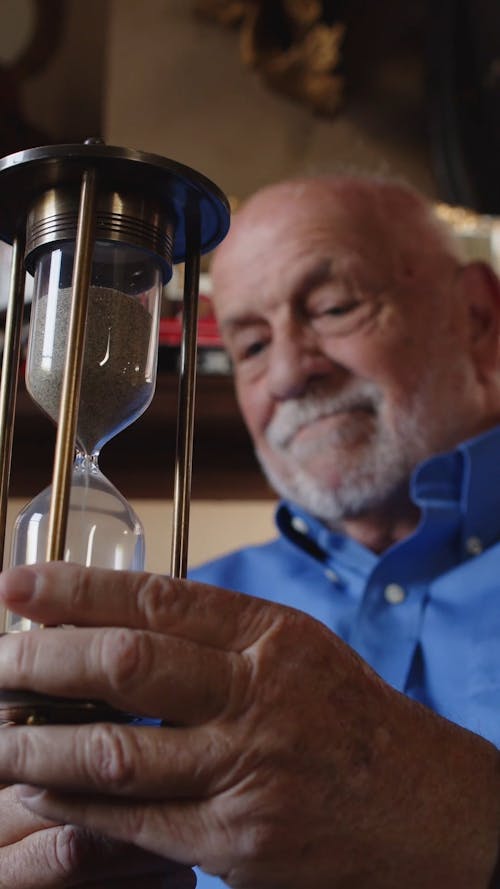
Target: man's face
{"x":350,"y":364}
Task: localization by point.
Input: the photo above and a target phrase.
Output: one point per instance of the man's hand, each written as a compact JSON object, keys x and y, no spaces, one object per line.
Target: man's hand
{"x":287,"y":763}
{"x":37,"y":854}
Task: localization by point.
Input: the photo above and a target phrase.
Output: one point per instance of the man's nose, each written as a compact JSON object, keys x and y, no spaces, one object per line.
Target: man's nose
{"x":295,"y":361}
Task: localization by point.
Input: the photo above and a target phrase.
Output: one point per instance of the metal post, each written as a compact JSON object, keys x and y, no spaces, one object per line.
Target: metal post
{"x":70,"y":394}
{"x":10,"y":376}
{"x":186,"y":401}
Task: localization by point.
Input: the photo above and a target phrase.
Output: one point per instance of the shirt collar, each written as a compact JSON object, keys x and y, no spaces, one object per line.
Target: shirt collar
{"x":469,"y":476}
{"x":312,"y":536}
{"x":465,"y":480}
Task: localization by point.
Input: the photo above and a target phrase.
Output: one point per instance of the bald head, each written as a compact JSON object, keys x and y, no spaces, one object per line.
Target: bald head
{"x":391,"y":216}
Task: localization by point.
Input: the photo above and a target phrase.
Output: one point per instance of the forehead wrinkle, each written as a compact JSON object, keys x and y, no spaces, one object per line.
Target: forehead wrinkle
{"x":372,"y":231}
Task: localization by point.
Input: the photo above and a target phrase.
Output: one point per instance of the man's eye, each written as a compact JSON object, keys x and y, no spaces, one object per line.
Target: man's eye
{"x":342,"y":316}
{"x":253,"y":349}
{"x":340,"y":309}
{"x":247,"y":349}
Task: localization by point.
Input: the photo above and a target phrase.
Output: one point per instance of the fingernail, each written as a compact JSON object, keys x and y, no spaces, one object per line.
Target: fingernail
{"x":18,"y":584}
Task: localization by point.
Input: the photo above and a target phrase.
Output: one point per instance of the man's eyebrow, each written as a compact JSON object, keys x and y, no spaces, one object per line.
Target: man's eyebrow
{"x":315,"y":277}
{"x":236,"y":322}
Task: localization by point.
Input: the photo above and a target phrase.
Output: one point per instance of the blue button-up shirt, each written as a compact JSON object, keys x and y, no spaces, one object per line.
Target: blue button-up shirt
{"x":425,"y":613}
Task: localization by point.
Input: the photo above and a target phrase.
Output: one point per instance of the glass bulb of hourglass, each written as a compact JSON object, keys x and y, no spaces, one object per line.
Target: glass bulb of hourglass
{"x":118,"y":380}
{"x":103,"y":529}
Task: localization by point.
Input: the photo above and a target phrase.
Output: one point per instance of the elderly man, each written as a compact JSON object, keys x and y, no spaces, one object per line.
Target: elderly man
{"x":366,"y":363}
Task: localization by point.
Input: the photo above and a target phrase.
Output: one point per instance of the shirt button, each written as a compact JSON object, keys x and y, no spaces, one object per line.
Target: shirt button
{"x":394,"y":594}
{"x":299,"y":525}
{"x":473,"y":546}
{"x":332,"y":575}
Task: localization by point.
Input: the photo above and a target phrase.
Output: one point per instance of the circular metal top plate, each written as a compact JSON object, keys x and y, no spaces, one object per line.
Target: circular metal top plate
{"x":26,"y":174}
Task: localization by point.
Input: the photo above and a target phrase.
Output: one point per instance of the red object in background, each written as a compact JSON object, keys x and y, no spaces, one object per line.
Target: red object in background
{"x":208,"y":332}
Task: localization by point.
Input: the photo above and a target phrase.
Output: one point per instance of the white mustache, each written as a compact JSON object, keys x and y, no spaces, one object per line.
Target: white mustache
{"x":293,"y":415}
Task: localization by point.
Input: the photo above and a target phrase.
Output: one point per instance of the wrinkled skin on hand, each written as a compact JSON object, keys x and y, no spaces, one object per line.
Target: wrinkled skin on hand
{"x":35,"y":853}
{"x":288,"y":763}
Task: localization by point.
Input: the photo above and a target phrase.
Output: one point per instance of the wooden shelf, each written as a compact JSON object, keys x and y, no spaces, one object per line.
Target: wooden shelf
{"x":140,"y":460}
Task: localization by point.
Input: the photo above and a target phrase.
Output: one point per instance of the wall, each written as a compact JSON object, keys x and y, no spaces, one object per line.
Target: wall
{"x":215,"y":527}
{"x":65,"y":98}
{"x":176,"y":86}
{"x":52,"y":67}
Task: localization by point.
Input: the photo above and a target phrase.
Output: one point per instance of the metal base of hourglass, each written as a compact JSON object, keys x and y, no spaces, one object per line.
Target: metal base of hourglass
{"x":103,"y":531}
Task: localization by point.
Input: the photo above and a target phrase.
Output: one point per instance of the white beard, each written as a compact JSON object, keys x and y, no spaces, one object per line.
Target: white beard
{"x":379,"y":469}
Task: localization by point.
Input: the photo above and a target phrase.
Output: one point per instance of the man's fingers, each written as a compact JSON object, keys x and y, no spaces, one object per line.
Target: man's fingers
{"x":16,"y":821}
{"x":51,"y":850}
{"x":140,"y":762}
{"x":69,"y":856}
{"x":177,"y":830}
{"x":140,"y":672}
{"x":60,"y":593}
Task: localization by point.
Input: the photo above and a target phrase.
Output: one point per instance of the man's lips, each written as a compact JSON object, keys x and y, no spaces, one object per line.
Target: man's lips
{"x":341,"y":420}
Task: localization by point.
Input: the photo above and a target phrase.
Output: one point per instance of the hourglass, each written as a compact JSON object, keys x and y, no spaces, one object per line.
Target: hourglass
{"x":118,"y":378}
{"x":99,"y":229}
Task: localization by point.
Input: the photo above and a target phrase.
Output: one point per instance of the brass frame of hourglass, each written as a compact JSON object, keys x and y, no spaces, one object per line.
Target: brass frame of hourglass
{"x":126,"y":197}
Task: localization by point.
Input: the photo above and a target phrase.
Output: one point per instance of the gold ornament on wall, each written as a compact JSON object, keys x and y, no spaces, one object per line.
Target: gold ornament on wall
{"x":294,"y":45}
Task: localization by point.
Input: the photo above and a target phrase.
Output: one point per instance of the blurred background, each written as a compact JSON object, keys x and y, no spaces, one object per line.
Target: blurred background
{"x":248,"y":92}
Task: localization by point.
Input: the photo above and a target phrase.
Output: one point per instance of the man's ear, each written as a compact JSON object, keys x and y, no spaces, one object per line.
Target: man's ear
{"x":481,"y":292}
